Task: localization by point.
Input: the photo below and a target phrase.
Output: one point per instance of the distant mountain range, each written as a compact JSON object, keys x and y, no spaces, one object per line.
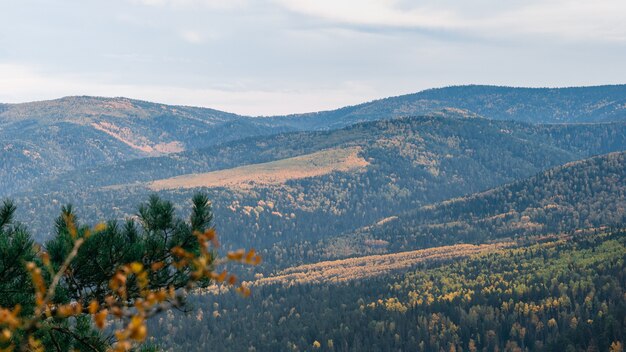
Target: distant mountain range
{"x":534,"y":105}
{"x":44,"y":139}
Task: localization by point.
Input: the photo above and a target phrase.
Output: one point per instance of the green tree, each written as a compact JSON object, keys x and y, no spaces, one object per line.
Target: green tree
{"x":61,"y":296}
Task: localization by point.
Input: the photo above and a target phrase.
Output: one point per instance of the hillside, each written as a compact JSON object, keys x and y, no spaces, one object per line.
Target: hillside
{"x":534,"y":105}
{"x":271,"y":173}
{"x":563,"y":293}
{"x":425,"y":142}
{"x":318,"y":185}
{"x":584,"y":194}
{"x":44,"y":139}
{"x":360,"y":268}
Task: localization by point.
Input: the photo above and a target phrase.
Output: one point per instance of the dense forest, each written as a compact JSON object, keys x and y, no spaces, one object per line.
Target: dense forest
{"x":585,"y":194}
{"x":563,"y":293}
{"x":412,"y":162}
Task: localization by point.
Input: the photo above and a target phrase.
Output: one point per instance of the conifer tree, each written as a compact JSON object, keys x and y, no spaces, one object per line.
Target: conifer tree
{"x":60,"y":296}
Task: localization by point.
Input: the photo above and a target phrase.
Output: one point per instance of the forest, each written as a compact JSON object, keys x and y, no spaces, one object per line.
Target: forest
{"x":559,"y":293}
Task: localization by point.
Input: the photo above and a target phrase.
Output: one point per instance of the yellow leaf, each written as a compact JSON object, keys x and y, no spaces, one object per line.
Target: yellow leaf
{"x":136,"y":267}
{"x":100,"y":318}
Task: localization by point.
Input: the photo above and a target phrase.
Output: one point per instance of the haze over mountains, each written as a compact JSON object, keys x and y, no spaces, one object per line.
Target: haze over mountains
{"x":51,"y":137}
{"x":535,"y":105}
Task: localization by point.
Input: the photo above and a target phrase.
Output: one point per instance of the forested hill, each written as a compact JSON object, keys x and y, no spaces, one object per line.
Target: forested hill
{"x":43,"y":139}
{"x":585,"y":194}
{"x":487,"y":152}
{"x":559,"y":295}
{"x":279,"y":194}
{"x":535,"y":105}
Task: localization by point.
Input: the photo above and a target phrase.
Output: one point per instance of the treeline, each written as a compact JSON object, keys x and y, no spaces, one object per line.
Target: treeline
{"x":557,"y":295}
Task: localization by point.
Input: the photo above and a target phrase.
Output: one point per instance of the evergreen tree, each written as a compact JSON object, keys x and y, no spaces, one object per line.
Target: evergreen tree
{"x":60,"y":296}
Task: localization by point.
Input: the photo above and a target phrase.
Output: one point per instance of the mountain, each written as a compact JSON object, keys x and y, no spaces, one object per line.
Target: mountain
{"x":43,"y":139}
{"x":283,"y":192}
{"x":583,"y":194}
{"x":502,"y":224}
{"x":534,"y":105}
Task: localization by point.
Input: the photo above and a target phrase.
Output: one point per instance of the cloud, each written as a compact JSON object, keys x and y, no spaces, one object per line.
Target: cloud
{"x":373,"y":12}
{"x":209,"y":4}
{"x":191,"y":36}
{"x":600,"y":20}
{"x":287,"y":56}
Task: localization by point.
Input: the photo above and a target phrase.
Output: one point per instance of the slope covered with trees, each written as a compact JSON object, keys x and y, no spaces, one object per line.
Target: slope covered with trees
{"x":410,"y":162}
{"x":560,"y":294}
{"x":43,"y":139}
{"x":583,"y":194}
{"x":535,"y":105}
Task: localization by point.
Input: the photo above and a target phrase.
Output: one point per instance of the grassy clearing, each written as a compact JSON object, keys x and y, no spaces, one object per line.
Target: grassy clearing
{"x":270,"y":173}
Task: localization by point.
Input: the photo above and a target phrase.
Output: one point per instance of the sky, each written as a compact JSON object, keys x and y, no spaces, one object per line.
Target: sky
{"x":267,"y":57}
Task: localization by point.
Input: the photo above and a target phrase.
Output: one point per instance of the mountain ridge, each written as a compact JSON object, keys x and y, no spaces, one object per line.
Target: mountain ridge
{"x":55,"y":136}
{"x":52,"y":137}
{"x":619,"y":89}
{"x":535,"y":105}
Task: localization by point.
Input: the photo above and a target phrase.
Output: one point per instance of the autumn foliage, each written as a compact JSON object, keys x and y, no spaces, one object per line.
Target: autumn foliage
{"x":94,"y":288}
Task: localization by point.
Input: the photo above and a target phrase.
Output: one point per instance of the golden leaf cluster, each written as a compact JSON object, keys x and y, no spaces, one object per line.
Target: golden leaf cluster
{"x":132,"y":310}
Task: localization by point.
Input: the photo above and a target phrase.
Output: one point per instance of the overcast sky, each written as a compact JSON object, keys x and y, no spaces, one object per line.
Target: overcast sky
{"x":285,"y":56}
